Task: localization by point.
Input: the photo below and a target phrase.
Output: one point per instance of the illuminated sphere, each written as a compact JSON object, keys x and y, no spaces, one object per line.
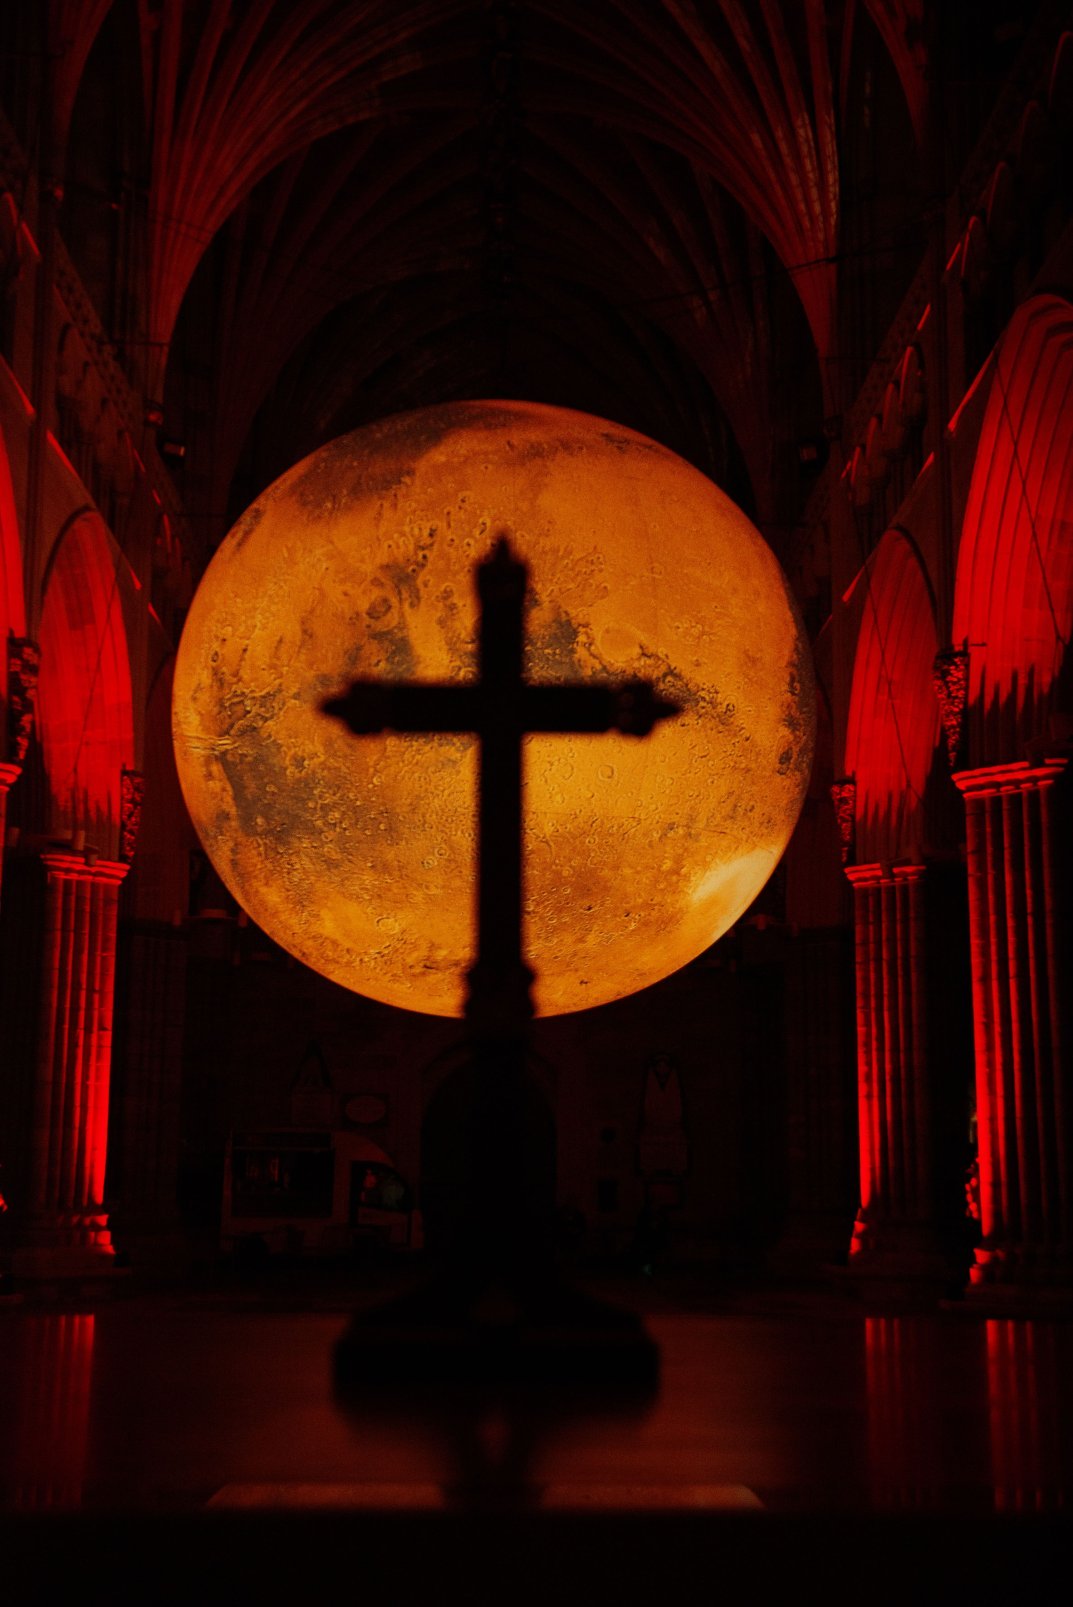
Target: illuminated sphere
{"x":358,"y":854}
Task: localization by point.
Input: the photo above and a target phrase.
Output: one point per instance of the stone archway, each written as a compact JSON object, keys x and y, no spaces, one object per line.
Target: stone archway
{"x":1013,"y":602}
{"x":893,"y":728}
{"x":84,"y":696}
{"x":12,"y":600}
{"x":86,"y":743}
{"x":1013,"y":611}
{"x":18,"y":658}
{"x":913,"y":1123}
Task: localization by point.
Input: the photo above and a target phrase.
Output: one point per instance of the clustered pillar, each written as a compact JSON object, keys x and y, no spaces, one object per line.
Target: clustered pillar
{"x":1018,"y":959}
{"x":894,"y":1230}
{"x":66,"y":1225}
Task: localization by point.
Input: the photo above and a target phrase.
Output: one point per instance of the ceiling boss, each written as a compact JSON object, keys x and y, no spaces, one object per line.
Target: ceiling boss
{"x":360,"y":858}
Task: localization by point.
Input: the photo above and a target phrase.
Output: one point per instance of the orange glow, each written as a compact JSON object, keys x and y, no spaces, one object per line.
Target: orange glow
{"x":357,"y":856}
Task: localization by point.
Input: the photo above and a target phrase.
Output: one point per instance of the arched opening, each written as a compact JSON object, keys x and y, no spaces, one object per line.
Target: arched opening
{"x":1014,"y":596}
{"x":15,"y":729}
{"x":913,"y":1050}
{"x":84,"y":700}
{"x":893,"y":727}
{"x":12,"y":604}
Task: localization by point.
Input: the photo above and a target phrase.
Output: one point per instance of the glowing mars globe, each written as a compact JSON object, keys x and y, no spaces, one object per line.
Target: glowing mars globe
{"x":357,"y":855}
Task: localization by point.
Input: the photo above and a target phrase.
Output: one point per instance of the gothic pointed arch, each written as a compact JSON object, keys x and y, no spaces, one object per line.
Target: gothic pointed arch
{"x":12,"y":602}
{"x":1013,"y":602}
{"x":84,"y":700}
{"x":893,"y":727}
{"x":16,"y":655}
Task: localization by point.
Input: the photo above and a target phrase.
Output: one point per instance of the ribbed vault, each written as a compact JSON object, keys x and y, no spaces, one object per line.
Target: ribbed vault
{"x":344,"y":207}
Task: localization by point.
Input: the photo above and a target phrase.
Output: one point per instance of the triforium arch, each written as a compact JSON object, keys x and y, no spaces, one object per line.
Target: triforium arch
{"x":892,"y":745}
{"x":86,"y":714}
{"x":1013,"y":611}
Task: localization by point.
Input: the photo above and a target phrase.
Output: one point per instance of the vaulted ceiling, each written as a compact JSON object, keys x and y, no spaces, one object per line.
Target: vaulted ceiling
{"x":692,"y":216}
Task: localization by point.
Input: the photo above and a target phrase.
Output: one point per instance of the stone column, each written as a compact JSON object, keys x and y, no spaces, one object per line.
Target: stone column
{"x":1019,"y":952}
{"x":894,"y":1235}
{"x":64,"y":1227}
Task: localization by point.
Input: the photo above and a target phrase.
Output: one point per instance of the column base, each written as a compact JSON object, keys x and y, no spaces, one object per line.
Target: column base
{"x":897,"y":1256}
{"x":69,"y":1244}
{"x":1011,"y":1279}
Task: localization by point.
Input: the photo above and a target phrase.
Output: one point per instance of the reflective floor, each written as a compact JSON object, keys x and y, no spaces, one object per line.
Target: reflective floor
{"x":182,"y":1401}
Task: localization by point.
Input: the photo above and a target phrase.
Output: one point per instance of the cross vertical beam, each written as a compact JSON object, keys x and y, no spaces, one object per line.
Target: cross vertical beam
{"x":501,"y":707}
{"x":498,"y":1000}
{"x":507,"y":1203}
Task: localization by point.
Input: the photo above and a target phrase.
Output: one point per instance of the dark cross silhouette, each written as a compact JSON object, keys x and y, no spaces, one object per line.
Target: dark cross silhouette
{"x":506,"y":1232}
{"x":501,"y":707}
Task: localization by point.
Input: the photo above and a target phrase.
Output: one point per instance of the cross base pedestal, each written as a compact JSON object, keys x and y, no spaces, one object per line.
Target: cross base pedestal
{"x":498,"y":1333}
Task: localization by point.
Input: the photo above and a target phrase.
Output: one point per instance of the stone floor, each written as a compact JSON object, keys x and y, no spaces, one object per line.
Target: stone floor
{"x":215,"y":1398}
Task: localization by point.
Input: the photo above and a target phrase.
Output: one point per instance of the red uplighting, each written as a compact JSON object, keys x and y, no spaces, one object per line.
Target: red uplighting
{"x":85,"y":691}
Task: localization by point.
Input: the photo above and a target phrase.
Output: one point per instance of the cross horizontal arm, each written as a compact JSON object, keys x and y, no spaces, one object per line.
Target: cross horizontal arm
{"x":631,"y":707}
{"x":368,"y":707}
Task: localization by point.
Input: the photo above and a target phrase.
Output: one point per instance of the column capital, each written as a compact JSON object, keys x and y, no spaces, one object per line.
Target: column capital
{"x":23,"y":669}
{"x":9,"y":774}
{"x":843,"y":793}
{"x":1015,"y":777}
{"x":62,"y":862}
{"x":881,"y":870}
{"x":950,"y":677}
{"x":131,"y":797}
